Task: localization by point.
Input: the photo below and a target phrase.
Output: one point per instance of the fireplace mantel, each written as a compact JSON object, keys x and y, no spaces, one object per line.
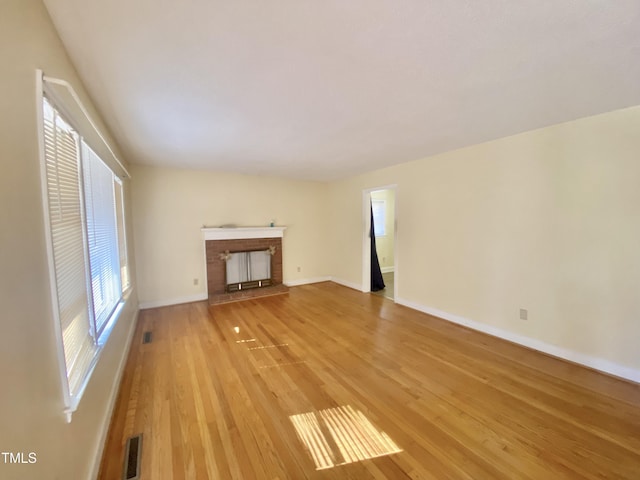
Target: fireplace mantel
{"x":242,"y":233}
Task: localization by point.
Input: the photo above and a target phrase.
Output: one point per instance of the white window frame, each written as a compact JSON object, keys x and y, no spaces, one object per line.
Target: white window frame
{"x":72,"y":399}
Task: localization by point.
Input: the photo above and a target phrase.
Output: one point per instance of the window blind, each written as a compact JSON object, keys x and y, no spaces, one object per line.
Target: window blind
{"x":102,"y":237}
{"x":63,"y":174}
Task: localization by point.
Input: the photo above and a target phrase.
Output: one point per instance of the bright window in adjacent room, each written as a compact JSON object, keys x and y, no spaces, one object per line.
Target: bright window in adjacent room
{"x":379,"y":216}
{"x":87,"y":247}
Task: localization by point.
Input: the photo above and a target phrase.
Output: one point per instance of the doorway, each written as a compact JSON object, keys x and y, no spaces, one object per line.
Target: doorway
{"x":382,"y":203}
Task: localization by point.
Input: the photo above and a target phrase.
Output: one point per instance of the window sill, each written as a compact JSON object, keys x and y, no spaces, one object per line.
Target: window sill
{"x":102,"y":341}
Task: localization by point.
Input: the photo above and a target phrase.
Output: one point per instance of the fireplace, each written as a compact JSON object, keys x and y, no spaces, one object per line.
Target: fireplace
{"x":245,"y":270}
{"x":243,"y":263}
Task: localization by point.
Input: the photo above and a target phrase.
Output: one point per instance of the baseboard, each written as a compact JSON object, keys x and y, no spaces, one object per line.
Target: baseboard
{"x":306,"y":281}
{"x":347,"y":283}
{"x":596,"y":363}
{"x":174,"y":301}
{"x":115,"y":388}
{"x":387,"y":269}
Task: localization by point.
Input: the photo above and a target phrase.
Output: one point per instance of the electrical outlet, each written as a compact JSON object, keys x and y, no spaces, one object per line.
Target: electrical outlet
{"x":299,"y":269}
{"x":195,"y":281}
{"x":524,"y":314}
{"x":384,"y":259}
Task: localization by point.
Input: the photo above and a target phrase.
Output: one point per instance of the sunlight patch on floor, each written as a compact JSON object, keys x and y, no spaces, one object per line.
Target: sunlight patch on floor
{"x":282,"y":364}
{"x":351,"y":437}
{"x":270,"y":346}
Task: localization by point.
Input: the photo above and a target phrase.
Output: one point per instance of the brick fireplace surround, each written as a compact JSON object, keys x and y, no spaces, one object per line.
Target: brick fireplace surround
{"x":219,"y":240}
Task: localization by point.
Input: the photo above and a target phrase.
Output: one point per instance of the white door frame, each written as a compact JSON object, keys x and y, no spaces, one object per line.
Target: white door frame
{"x":366,"y":242}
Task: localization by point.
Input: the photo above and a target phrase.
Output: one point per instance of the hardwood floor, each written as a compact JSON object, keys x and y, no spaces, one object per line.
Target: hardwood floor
{"x":221,"y":392}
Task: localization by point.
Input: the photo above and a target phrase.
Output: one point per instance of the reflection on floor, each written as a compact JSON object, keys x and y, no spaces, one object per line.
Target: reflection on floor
{"x":387,"y":292}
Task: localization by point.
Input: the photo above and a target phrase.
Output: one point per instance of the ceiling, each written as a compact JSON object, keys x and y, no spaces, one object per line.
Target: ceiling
{"x":326,"y":89}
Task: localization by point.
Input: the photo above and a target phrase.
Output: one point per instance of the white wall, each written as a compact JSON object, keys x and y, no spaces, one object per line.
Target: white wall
{"x":31,"y":406}
{"x":547,"y":220}
{"x":171,"y":205}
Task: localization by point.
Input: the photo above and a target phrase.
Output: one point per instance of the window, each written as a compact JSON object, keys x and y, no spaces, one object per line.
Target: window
{"x":379,"y":208}
{"x":102,"y":237}
{"x":85,"y":220}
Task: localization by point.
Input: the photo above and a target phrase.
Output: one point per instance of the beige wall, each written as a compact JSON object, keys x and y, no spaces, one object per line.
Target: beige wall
{"x":385,"y":243}
{"x":547,"y":220}
{"x":31,"y":417}
{"x":170,"y":206}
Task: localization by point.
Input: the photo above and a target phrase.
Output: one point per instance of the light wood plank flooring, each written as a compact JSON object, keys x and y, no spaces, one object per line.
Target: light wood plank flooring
{"x":221,"y":392}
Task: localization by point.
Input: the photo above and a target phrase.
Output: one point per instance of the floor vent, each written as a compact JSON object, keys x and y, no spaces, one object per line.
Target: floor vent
{"x":132,"y":458}
{"x":147,"y":337}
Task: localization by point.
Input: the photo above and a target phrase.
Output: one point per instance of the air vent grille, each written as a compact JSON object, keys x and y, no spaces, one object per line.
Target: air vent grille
{"x":132,"y":458}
